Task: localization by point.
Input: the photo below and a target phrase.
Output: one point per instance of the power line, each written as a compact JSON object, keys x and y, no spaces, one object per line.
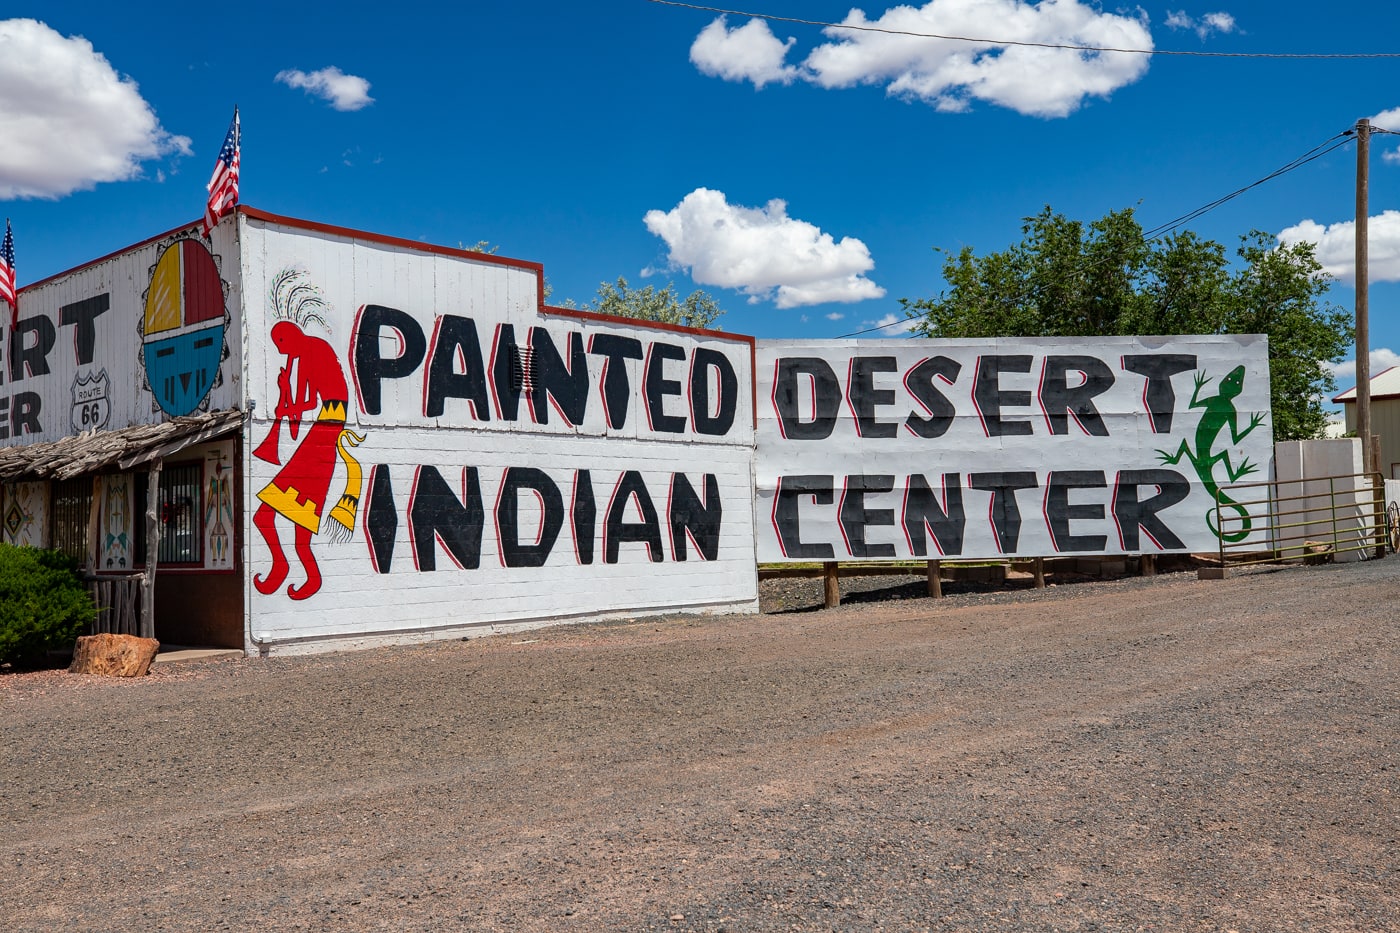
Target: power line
{"x":1321,"y":149}
{"x":1037,"y":45}
{"x":1337,"y":142}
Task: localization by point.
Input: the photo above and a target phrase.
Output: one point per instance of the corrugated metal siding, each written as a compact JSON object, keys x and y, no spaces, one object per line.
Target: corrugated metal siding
{"x":102,"y":345}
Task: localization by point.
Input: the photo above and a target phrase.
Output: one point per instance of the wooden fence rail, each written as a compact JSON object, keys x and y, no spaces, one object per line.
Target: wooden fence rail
{"x":118,"y":601}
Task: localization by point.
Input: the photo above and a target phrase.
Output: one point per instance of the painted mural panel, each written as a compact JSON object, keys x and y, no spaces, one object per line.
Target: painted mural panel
{"x":135,"y":338}
{"x":219,"y":520}
{"x":428,"y":450}
{"x":993,"y":448}
{"x":26,"y":515}
{"x":116,"y":533}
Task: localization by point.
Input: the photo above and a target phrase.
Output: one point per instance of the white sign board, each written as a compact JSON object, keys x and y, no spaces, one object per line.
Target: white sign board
{"x":878,"y":450}
{"x":478,"y":461}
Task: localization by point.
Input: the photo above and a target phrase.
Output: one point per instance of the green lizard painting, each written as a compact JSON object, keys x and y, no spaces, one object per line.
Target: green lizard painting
{"x":1219,"y":415}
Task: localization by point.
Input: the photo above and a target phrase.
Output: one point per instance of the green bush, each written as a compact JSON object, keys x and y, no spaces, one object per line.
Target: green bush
{"x":43,"y":603}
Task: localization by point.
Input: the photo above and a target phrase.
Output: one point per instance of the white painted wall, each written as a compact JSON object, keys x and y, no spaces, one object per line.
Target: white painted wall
{"x":650,"y":404}
{"x":1328,"y":503}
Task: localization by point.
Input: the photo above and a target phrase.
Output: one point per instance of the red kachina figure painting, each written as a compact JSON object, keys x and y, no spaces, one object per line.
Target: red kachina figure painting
{"x":311,"y":384}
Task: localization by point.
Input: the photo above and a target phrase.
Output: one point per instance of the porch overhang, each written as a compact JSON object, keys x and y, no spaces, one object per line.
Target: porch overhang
{"x":119,"y":450}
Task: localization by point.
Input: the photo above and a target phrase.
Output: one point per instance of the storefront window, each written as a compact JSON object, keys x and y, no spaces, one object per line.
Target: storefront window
{"x":179,"y":513}
{"x":72,"y":501}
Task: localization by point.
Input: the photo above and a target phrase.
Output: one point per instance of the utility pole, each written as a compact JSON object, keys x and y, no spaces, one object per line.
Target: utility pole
{"x":1363,"y":297}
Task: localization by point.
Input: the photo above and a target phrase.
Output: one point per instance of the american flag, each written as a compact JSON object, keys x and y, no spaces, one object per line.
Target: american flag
{"x":223,"y":185}
{"x":7,"y":274}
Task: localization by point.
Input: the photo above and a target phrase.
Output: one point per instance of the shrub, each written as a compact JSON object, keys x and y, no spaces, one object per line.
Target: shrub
{"x":43,"y":603}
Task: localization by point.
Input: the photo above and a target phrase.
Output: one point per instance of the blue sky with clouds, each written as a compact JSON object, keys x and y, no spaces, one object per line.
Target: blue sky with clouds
{"x":804,"y":176}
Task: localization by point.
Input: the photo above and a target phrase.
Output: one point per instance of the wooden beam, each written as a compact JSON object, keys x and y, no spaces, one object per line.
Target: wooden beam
{"x":94,"y":558}
{"x":833,"y":584}
{"x":148,"y":580}
{"x":935,"y":579}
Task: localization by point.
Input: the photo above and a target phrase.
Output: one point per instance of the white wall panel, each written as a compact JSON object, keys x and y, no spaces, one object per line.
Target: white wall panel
{"x":386,"y":578}
{"x":389,"y":313}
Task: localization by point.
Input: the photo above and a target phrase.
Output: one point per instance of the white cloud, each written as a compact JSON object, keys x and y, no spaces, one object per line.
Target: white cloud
{"x":69,"y":120}
{"x":1219,"y":22}
{"x":1387,"y":119}
{"x":949,"y":74}
{"x":835,"y":316}
{"x":891,"y":324}
{"x":1204,"y":27}
{"x":747,"y":53}
{"x":1345,"y":371}
{"x":340,"y":90}
{"x":762,"y":252}
{"x":1336,"y":246}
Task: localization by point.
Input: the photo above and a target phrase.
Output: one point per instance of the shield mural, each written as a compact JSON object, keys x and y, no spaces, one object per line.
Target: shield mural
{"x":183,"y":333}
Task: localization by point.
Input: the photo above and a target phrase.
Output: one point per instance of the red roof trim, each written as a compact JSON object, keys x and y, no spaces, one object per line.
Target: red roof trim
{"x":1342,"y":396}
{"x":1375,"y":398}
{"x":190,"y":227}
{"x":639,"y":322}
{"x":676,"y":329}
{"x":256,"y":214}
{"x":414,"y":245}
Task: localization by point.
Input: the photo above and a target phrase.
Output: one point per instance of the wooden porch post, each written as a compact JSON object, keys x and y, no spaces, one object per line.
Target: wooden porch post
{"x":94,"y":558}
{"x":148,"y":582}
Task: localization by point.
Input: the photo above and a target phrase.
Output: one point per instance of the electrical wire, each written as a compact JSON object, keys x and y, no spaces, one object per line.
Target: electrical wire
{"x":1338,"y":141}
{"x":1037,"y":45}
{"x":1321,"y":149}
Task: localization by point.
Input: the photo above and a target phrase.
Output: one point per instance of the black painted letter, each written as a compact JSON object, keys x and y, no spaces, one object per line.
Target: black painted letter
{"x":366,"y":363}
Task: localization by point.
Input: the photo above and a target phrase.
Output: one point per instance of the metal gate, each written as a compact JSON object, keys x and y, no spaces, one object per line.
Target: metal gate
{"x":1316,"y":519}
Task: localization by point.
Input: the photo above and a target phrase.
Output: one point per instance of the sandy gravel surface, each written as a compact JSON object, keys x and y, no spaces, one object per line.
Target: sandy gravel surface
{"x":1159,"y":754}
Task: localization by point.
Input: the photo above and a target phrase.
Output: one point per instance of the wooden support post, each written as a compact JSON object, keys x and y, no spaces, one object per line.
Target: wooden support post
{"x":148,"y":581}
{"x":1362,"y":289}
{"x":935,"y":579}
{"x":1147,"y":565}
{"x":94,"y":511}
{"x":1040,"y":573}
{"x":833,"y":584}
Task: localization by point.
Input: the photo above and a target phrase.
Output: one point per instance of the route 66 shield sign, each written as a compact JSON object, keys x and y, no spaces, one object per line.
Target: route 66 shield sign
{"x":92,"y":404}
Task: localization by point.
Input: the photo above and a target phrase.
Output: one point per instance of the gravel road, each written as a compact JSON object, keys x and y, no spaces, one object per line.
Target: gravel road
{"x":1147,"y":754}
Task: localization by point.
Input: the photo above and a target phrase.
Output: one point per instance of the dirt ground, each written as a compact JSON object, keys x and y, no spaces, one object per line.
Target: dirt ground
{"x":1148,"y":754}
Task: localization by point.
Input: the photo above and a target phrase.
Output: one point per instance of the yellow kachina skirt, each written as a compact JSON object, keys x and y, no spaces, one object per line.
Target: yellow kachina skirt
{"x":299,"y":491}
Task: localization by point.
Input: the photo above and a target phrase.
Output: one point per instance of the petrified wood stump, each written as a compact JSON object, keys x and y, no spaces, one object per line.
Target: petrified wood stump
{"x":113,"y":655}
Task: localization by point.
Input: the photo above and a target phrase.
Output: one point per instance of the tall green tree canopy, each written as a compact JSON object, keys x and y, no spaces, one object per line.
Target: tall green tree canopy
{"x":1069,"y":279}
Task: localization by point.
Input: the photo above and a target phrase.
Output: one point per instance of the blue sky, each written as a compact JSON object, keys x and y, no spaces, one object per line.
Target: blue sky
{"x":802,"y":176}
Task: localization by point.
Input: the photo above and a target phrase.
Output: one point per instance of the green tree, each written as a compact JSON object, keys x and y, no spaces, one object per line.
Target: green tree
{"x":1069,"y":279}
{"x":697,"y":309}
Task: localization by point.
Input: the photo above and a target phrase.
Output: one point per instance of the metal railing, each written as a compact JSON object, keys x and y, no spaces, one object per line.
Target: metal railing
{"x":1314,"y":520}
